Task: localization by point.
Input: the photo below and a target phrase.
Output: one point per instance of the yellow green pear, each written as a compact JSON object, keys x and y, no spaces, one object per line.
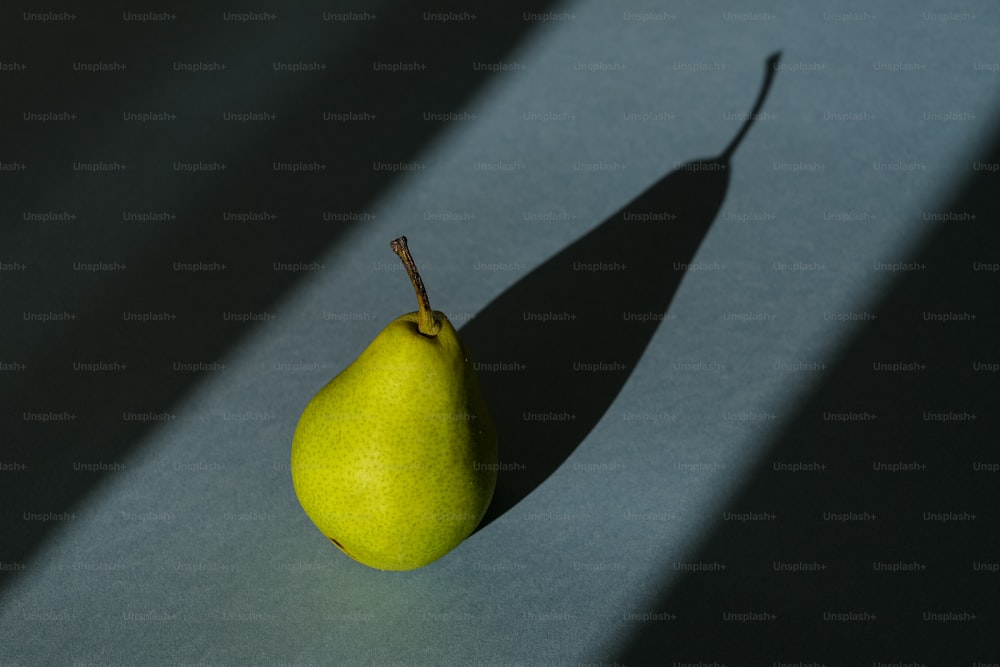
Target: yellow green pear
{"x":395,"y":459}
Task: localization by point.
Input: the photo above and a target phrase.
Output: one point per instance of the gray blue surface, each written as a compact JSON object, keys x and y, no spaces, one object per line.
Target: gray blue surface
{"x":195,"y":551}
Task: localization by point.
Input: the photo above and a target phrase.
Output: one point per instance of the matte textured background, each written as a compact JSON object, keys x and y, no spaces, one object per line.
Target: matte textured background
{"x":746,"y":401}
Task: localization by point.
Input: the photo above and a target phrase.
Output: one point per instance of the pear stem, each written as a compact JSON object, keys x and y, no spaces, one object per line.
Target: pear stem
{"x":426,"y":322}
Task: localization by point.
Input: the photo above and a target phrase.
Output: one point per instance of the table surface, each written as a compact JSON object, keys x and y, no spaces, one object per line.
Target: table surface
{"x":767,"y":441}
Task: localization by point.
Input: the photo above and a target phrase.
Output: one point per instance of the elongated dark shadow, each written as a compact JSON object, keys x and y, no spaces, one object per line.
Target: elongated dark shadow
{"x":240,"y":222}
{"x":879,"y":493}
{"x":598,"y":301}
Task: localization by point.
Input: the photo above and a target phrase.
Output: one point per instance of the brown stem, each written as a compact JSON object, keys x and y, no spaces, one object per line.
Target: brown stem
{"x":426,"y":323}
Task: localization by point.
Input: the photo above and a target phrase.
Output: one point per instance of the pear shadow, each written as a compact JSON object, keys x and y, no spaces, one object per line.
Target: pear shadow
{"x":548,"y":330}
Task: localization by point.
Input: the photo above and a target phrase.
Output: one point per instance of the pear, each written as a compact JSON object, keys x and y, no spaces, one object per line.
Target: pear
{"x":395,"y":459}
